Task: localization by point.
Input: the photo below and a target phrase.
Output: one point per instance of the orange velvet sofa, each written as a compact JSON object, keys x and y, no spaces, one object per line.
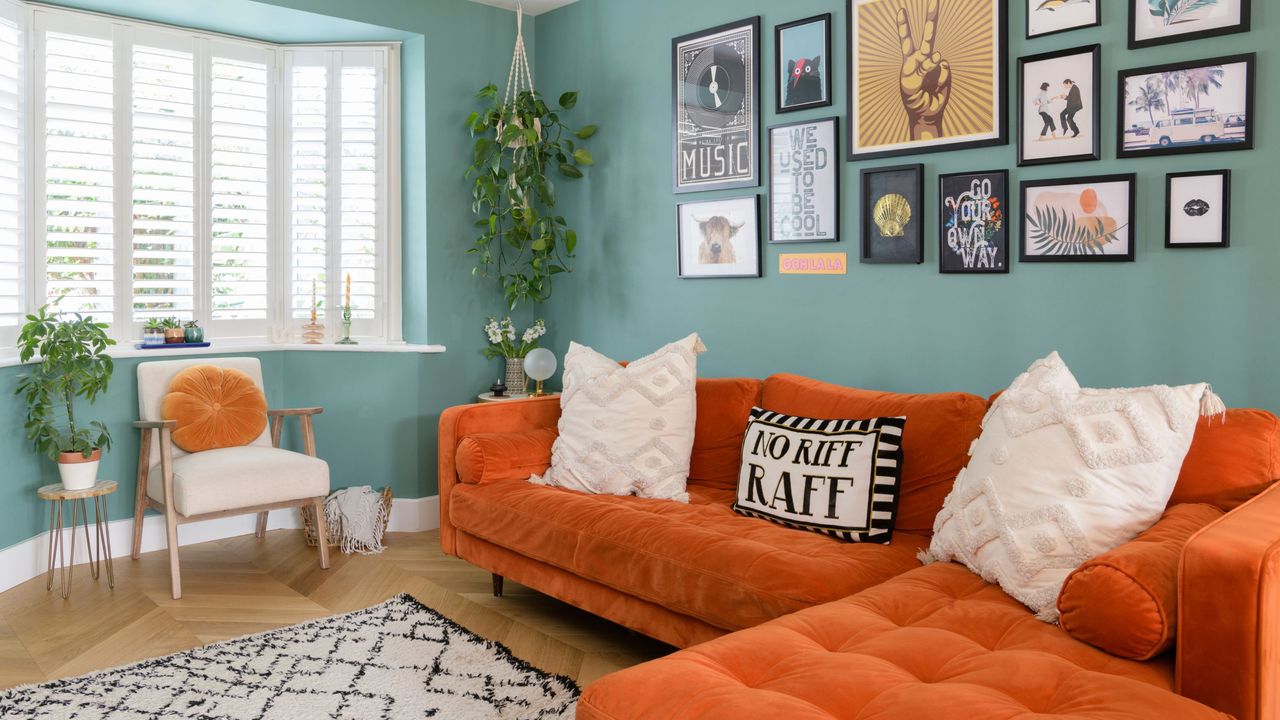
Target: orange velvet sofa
{"x":778,"y":622}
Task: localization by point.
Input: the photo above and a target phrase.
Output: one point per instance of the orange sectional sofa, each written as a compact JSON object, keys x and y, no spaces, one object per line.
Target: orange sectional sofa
{"x":778,"y":622}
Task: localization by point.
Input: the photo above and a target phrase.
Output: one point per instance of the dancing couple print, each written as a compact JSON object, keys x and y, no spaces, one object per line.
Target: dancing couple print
{"x":1071,"y":102}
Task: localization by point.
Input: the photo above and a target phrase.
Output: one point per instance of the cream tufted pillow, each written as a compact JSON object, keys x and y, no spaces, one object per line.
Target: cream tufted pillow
{"x":627,"y":430}
{"x":1061,"y":474}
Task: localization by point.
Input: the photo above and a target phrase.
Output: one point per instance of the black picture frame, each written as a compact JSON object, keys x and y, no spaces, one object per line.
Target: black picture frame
{"x":751,"y":106}
{"x":779,"y":105}
{"x":1225,"y":229}
{"x":1097,"y":21}
{"x":1131,"y":179}
{"x":833,"y":168}
{"x":756,"y":243}
{"x":1023,"y":112}
{"x":911,"y":180}
{"x":1158,"y":147}
{"x":1001,"y":84}
{"x":999,"y":262}
{"x":1246,"y":12}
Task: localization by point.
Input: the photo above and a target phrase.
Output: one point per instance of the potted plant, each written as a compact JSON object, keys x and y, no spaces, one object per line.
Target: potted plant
{"x":192,"y":332}
{"x":502,"y":343}
{"x":173,"y":332}
{"x":518,"y":145}
{"x":153,"y":332}
{"x":72,"y":364}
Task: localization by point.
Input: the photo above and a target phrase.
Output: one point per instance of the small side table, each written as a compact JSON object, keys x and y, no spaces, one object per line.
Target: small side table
{"x":59,"y":495}
{"x":488,"y":397}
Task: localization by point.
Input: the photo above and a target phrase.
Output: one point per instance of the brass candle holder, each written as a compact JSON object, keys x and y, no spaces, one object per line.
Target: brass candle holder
{"x":312,"y":333}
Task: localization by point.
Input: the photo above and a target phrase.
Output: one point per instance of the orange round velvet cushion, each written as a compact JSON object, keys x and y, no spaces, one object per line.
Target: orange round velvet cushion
{"x":214,"y":408}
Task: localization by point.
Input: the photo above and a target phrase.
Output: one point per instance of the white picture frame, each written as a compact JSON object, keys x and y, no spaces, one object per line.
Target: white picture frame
{"x":719,"y":238}
{"x":804,"y":181}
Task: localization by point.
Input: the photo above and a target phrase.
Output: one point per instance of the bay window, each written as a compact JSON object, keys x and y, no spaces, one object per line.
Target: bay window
{"x":149,"y":171}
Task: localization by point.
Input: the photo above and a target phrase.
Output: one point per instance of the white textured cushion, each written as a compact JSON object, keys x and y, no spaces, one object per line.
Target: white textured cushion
{"x":240,"y":477}
{"x":627,"y":430}
{"x":1061,"y":474}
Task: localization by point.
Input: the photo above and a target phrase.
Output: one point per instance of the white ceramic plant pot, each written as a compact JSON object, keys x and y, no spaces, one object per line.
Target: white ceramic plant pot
{"x":77,"y":471}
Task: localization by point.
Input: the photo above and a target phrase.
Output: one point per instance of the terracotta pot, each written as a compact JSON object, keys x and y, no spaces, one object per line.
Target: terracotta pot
{"x":175,"y":335}
{"x":77,"y":471}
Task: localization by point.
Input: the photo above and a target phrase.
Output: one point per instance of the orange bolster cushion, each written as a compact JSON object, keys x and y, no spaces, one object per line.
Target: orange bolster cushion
{"x":485,"y":458}
{"x":1126,"y":601}
{"x":214,"y":408}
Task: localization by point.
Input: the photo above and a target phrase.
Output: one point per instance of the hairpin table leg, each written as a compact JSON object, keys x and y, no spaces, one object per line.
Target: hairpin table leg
{"x":92,"y":545}
{"x":69,"y":567}
{"x":104,"y":537}
{"x":55,"y":540}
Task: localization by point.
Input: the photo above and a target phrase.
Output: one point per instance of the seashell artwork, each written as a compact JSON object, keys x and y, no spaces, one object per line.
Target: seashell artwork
{"x":892,"y":213}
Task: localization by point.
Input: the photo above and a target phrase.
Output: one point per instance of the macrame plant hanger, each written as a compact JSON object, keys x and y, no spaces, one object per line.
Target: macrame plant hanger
{"x":520,"y":78}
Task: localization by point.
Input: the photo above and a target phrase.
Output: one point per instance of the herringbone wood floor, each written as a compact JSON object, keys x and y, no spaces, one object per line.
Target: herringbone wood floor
{"x":245,"y":585}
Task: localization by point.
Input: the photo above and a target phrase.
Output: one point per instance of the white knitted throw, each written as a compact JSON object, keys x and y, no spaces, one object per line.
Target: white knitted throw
{"x":359,"y":516}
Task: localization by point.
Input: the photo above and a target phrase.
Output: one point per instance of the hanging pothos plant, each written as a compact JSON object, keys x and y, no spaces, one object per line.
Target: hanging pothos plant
{"x":518,"y":146}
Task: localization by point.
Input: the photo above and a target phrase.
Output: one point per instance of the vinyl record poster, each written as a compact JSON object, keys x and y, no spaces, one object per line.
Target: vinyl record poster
{"x":717,"y":108}
{"x":804,"y":180}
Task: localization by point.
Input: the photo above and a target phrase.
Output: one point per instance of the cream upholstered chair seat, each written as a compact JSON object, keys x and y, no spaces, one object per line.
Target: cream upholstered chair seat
{"x":255,"y":478}
{"x":238,"y":477}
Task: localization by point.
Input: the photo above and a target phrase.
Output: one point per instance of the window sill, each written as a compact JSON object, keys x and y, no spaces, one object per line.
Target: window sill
{"x":232,"y":347}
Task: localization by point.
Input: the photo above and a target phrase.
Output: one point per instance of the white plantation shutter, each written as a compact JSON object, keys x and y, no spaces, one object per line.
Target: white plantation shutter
{"x":78,"y":100}
{"x":12,"y":168}
{"x":240,"y":174}
{"x":337,"y":109}
{"x":163,"y":183}
{"x":363,"y":230}
{"x":308,"y":181}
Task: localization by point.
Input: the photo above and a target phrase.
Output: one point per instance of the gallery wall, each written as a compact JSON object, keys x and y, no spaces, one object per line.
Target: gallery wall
{"x":1173,"y":316}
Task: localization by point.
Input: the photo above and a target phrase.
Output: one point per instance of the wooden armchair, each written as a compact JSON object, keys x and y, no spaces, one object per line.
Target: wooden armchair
{"x":255,"y":478}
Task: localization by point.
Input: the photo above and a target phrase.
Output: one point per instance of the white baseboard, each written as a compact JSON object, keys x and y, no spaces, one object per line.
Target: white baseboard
{"x":27,"y":559}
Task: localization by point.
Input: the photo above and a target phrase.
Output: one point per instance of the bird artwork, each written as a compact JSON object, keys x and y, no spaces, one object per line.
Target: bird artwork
{"x":1055,"y":5}
{"x":805,"y":81}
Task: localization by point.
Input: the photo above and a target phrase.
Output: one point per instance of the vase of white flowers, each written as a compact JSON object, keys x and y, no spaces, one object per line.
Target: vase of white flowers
{"x":503,"y":344}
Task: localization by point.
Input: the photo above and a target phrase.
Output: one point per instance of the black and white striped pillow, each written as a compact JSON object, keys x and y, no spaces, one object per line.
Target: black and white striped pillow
{"x":838,"y":477}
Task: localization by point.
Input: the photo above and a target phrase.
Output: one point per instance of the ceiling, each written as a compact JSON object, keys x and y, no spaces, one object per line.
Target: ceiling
{"x":531,"y":7}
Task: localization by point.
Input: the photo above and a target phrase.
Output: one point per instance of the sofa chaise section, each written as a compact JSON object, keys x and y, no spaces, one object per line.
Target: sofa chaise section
{"x":937,"y":642}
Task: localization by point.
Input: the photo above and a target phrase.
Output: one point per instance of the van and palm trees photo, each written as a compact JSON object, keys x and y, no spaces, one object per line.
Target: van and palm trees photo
{"x":1187,"y":107}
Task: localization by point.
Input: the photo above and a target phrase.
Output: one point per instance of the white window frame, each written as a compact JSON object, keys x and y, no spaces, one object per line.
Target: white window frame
{"x":279,"y":325}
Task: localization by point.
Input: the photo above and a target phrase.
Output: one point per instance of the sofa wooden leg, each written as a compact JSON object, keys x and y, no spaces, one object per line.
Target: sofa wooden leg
{"x":497,"y":585}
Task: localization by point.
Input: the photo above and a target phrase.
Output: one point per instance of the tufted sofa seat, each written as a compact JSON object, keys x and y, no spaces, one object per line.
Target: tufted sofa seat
{"x":702,"y":559}
{"x":937,"y":642}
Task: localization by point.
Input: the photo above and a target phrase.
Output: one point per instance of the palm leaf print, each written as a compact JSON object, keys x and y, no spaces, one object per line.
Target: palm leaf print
{"x":1176,"y":11}
{"x":1056,"y":232}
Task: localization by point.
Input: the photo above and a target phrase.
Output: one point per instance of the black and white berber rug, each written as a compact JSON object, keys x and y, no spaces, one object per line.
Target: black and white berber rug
{"x":397,"y":660}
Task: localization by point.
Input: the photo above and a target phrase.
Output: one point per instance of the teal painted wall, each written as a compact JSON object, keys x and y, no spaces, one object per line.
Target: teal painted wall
{"x":379,"y":427}
{"x":1171,"y":317}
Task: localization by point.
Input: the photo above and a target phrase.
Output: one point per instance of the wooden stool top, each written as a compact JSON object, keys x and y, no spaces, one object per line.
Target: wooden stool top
{"x":57,"y":492}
